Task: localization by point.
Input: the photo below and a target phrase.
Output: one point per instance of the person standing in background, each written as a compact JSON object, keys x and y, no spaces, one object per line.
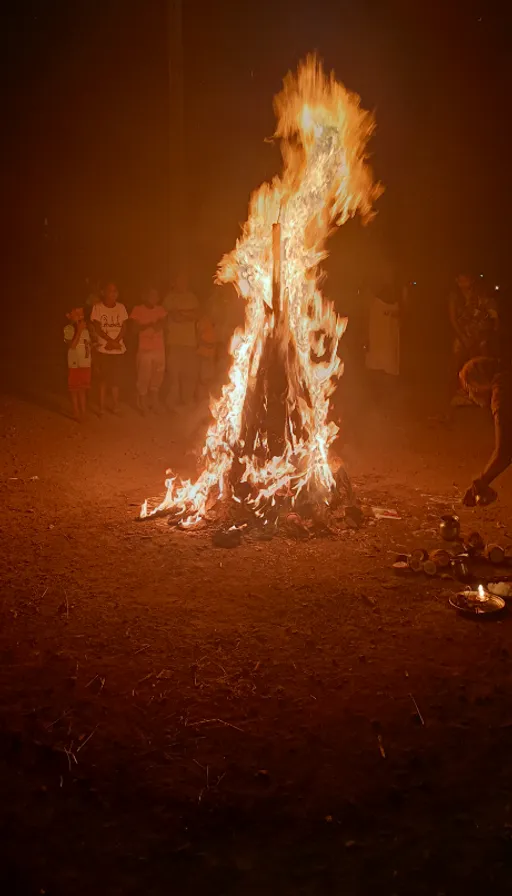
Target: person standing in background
{"x":149,"y":319}
{"x":383,"y":351}
{"x":206,"y":353}
{"x":76,"y":337}
{"x":227,"y":312}
{"x":182,"y":313}
{"x":109,"y":320}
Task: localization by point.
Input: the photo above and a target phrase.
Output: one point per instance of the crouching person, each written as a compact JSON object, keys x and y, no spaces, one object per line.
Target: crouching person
{"x":489,"y":384}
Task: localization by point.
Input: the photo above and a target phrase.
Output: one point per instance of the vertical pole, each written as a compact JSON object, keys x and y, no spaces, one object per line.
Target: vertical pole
{"x":177,"y":170}
{"x":274,"y":373}
{"x":276,"y":270}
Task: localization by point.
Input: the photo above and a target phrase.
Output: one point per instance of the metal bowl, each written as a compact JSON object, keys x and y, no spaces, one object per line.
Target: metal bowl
{"x":449,"y":527}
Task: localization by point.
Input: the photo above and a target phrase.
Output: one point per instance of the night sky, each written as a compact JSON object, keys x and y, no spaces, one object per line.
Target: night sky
{"x":87,"y":124}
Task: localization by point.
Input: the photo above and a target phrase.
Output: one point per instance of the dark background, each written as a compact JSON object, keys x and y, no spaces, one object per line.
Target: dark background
{"x":87,"y":124}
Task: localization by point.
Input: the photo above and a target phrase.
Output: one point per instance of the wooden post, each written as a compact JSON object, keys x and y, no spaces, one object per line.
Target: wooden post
{"x":276,"y":270}
{"x":273,"y":368}
{"x":178,"y":219}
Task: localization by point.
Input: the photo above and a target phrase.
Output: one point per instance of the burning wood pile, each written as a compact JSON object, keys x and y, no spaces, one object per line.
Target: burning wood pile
{"x":266,"y":450}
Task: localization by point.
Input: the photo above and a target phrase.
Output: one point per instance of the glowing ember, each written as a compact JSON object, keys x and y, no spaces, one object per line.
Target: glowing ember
{"x":269,"y":438}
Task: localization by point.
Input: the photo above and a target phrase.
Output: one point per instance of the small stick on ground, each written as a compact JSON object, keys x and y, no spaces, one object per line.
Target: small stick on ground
{"x":422,"y":720}
{"x":71,"y":756}
{"x":63,"y":716}
{"x":87,"y":739}
{"x":220,"y":721}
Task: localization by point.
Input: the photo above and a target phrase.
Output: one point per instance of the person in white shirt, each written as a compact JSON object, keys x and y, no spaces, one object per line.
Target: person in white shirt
{"x":182,"y":309}
{"x":383,"y":354}
{"x":108,"y":318}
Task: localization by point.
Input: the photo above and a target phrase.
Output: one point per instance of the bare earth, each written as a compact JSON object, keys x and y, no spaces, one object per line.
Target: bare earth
{"x":290,"y":717}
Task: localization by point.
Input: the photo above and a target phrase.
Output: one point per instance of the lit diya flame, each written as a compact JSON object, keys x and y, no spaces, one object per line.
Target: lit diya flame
{"x":274,"y":267}
{"x":481,"y":593}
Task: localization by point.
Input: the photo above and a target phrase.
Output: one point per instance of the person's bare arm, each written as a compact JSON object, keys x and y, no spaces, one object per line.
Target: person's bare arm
{"x":101,"y":333}
{"x":160,"y":323}
{"x":72,"y":343}
{"x":120,"y":336}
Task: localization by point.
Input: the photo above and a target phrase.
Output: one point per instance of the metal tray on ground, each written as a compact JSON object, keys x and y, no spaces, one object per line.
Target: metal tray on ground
{"x":471,"y":604}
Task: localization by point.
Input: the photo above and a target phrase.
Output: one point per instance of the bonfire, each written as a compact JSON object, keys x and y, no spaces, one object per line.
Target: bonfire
{"x":267,"y":447}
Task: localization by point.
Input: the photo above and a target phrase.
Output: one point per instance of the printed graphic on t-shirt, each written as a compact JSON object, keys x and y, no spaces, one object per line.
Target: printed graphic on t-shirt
{"x":111,"y":321}
{"x":80,"y":355}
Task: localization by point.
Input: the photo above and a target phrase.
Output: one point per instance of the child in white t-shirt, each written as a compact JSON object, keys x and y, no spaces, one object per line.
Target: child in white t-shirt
{"x":108,"y":318}
{"x":77,"y":339}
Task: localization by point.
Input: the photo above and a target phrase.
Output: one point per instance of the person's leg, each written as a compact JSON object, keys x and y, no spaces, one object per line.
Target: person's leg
{"x":376,"y":386}
{"x":115,"y":399}
{"x":173,"y":377}
{"x":143,"y":379}
{"x":156,"y":378}
{"x":82,"y":400}
{"x":206,"y":376}
{"x":222,"y":366}
{"x":116,"y":368}
{"x":103,"y":396}
{"x":102,"y":381}
{"x":74,"y":401}
{"x":188,"y":375}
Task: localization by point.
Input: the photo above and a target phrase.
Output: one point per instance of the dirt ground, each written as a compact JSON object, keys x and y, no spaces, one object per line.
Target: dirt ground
{"x":290,"y":717}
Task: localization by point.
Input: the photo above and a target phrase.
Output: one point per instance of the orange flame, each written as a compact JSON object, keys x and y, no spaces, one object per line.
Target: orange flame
{"x":326,"y":179}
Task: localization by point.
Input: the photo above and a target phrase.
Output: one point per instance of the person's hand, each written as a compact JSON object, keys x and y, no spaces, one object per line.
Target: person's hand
{"x":479,"y":493}
{"x":469,"y":499}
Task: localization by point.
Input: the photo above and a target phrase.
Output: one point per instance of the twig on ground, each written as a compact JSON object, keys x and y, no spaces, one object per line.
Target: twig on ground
{"x":422,"y":720}
{"x":87,"y":739}
{"x":381,"y":746}
{"x":141,"y":649}
{"x":71,"y":756}
{"x":63,"y":716}
{"x":220,"y":721}
{"x":207,"y":783}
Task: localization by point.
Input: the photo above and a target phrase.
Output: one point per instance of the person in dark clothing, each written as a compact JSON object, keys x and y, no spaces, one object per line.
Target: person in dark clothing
{"x":489,"y":384}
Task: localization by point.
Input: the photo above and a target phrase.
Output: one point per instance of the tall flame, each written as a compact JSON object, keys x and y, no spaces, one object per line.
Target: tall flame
{"x":274,"y":266}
